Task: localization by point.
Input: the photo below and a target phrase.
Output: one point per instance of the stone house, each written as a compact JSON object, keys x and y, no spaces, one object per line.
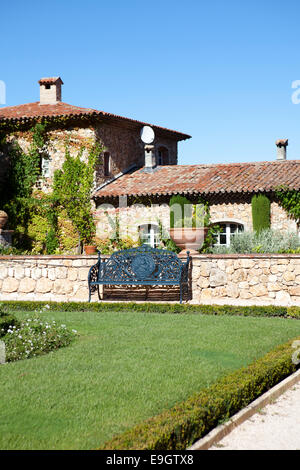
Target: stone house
{"x":119,"y":135}
{"x":134,"y":182}
{"x":141,"y":198}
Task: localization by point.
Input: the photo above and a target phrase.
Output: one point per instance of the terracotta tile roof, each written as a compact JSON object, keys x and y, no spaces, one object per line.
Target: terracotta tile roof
{"x":206,"y":179}
{"x":32,"y":111}
{"x":35,"y":110}
{"x":50,"y":80}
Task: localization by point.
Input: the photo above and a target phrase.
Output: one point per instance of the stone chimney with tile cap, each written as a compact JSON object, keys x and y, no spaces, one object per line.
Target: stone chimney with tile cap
{"x":150,"y":159}
{"x":281,"y":145}
{"x":50,"y":90}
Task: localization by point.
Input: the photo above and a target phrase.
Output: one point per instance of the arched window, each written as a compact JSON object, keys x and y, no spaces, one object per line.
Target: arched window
{"x":106,"y":164}
{"x":162,"y":156}
{"x":227,"y":229}
{"x":149,"y":234}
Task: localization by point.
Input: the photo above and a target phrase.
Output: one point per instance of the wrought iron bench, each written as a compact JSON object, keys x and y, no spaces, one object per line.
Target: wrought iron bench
{"x":140,"y":266}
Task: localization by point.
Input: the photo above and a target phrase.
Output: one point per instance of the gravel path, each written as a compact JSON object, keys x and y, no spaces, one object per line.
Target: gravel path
{"x":275,"y":427}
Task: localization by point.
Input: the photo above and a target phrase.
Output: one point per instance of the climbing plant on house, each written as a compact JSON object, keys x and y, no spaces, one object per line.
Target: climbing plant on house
{"x":72,"y":188}
{"x":24,"y":171}
{"x":289,"y":199}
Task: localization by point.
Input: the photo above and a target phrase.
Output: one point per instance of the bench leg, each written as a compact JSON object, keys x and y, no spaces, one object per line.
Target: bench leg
{"x":99,"y":297}
{"x":180,"y":293}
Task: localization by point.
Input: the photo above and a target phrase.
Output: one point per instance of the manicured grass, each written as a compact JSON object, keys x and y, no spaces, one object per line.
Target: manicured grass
{"x":124,"y":368}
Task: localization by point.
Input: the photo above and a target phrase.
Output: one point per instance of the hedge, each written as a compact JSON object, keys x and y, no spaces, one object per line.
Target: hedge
{"x":261,"y":208}
{"x":265,"y":311}
{"x":179,"y":427}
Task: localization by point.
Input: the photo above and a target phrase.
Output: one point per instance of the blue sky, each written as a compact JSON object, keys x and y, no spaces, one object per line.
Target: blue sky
{"x":221,"y":71}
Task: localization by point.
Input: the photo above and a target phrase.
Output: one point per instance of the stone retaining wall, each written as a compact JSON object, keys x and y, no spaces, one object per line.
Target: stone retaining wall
{"x":219,"y":279}
{"x":51,"y":278}
{"x":246,"y":279}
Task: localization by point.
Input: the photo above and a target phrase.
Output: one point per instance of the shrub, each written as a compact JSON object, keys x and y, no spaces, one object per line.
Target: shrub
{"x":182,"y":425}
{"x":261,"y":210}
{"x":183,"y":205}
{"x":293,"y":312}
{"x":184,"y":213}
{"x":6,"y":321}
{"x":33,"y":337}
{"x":265,"y":241}
{"x":108,"y":245}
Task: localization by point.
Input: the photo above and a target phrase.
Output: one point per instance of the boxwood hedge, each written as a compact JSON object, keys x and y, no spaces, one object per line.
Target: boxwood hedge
{"x":265,"y":311}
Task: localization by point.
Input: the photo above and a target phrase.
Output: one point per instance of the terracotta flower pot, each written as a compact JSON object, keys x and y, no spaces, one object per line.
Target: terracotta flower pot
{"x":189,"y":239}
{"x":90,"y":249}
{"x":3,"y":218}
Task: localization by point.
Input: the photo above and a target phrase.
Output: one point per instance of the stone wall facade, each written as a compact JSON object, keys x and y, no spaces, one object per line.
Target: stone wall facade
{"x":123,"y":143}
{"x":130,"y":219}
{"x":215,"y":279}
{"x":221,"y":210}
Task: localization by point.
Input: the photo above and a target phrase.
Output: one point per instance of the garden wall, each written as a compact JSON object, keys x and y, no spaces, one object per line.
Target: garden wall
{"x":50,"y":278}
{"x":246,"y":279}
{"x":216,"y":279}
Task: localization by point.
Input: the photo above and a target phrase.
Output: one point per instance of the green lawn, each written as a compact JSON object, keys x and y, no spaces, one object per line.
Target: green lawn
{"x":124,"y":368}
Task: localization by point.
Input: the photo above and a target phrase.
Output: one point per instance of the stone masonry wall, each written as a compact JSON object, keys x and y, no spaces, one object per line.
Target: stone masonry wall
{"x":130,"y":218}
{"x":246,"y":279}
{"x":216,"y":279}
{"x":135,"y":215}
{"x":50,"y":278}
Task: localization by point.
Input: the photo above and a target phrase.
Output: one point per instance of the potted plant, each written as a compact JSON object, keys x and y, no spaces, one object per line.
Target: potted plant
{"x":188,"y":223}
{"x":90,"y":249}
{"x":88,"y":237}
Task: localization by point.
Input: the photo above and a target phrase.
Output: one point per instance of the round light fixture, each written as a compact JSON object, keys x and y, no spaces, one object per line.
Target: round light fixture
{"x":147,"y":135}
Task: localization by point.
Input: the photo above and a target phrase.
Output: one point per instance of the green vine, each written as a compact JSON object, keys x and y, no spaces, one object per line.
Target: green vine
{"x":23,"y":172}
{"x":289,"y":199}
{"x":72,"y":187}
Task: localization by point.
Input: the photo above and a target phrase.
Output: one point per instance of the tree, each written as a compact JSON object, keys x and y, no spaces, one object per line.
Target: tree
{"x":261,"y":212}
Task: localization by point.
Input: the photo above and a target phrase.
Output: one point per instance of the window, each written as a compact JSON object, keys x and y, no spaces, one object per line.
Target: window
{"x":149,"y":235}
{"x":227,"y":229}
{"x":163,"y":156}
{"x":106,"y":164}
{"x":47,"y":87}
{"x":45,"y":167}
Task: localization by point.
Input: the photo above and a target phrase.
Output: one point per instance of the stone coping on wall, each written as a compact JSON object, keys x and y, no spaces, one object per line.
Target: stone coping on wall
{"x":249,"y":255}
{"x":198,"y":256}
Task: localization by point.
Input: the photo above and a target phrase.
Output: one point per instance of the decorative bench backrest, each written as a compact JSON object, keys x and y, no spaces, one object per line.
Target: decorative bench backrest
{"x":142,"y":264}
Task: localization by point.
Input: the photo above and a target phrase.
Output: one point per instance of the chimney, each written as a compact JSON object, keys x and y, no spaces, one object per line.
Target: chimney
{"x":50,"y":90}
{"x":281,"y":145}
{"x":150,"y":160}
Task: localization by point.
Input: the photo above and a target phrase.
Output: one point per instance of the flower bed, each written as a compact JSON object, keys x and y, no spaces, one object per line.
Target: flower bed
{"x":32,"y":337}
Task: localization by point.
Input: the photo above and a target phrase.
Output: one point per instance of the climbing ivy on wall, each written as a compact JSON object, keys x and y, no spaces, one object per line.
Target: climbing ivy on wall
{"x":72,"y":187}
{"x":40,"y":220}
{"x":17,"y":188}
{"x":289,"y":199}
